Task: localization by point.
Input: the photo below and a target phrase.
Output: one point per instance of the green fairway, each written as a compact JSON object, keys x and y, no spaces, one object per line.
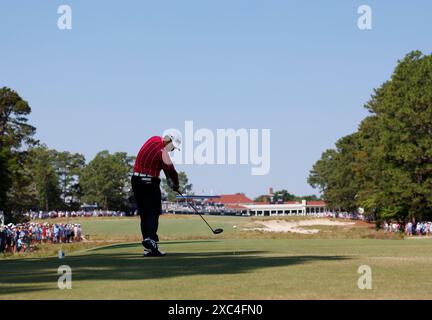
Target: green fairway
{"x":171,"y":227}
{"x":228,"y":267}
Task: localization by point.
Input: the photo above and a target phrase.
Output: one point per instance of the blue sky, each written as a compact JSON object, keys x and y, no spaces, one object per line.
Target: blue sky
{"x":130,"y":69}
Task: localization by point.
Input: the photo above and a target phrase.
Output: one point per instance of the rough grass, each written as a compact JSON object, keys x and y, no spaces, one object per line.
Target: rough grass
{"x":234,"y":265}
{"x":51,"y":250}
{"x":230,"y":269}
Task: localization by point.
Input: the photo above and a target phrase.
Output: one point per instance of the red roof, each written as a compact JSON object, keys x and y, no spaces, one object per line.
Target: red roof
{"x":315,"y":203}
{"x":237,"y":198}
{"x":291,"y":202}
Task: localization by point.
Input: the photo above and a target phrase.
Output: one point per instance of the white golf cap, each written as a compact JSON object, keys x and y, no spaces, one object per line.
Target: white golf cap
{"x":175,"y":139}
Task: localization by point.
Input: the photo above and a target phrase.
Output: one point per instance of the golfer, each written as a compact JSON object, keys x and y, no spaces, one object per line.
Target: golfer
{"x":152,"y":158}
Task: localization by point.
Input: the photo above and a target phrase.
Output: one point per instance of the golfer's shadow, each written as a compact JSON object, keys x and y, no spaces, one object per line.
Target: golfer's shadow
{"x":104,"y":264}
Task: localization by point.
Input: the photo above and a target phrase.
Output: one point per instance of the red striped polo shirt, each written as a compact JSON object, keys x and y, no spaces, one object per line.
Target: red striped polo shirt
{"x":152,"y":158}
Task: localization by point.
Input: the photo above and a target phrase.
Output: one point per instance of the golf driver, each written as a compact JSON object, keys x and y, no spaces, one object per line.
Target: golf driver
{"x":216,"y":231}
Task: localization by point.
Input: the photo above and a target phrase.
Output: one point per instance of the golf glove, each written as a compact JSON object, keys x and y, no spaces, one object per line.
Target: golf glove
{"x":172,"y":185}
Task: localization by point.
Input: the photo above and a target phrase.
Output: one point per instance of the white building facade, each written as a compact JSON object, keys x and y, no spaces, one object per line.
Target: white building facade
{"x":304,"y":208}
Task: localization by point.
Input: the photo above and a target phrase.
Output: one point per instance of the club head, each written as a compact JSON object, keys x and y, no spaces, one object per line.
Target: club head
{"x":218,"y":231}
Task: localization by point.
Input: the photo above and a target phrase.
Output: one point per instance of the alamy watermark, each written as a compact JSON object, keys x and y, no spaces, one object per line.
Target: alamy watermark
{"x":65,"y":279}
{"x":364,"y":22}
{"x":365,"y":280}
{"x":224,"y":146}
{"x":64,"y":22}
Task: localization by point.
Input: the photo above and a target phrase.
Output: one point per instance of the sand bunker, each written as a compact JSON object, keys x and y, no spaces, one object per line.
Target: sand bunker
{"x":296,"y":226}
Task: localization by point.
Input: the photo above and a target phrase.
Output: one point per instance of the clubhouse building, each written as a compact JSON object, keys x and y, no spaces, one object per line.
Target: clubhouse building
{"x":244,"y":205}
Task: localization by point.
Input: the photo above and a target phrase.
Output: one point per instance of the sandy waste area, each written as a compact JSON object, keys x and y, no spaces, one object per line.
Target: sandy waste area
{"x":296,"y":226}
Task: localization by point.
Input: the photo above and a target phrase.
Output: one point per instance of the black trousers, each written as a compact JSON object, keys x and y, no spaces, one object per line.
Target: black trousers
{"x":148,"y":199}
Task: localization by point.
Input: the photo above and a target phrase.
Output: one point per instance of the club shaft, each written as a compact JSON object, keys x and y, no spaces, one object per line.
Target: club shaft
{"x":193,"y":207}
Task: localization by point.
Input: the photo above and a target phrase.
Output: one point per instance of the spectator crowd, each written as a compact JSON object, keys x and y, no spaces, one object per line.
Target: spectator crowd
{"x":23,"y":237}
{"x":410,"y":229}
{"x":74,"y":214}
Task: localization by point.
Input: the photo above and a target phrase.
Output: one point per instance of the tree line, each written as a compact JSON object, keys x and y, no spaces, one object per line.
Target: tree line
{"x":283,"y":195}
{"x":385,"y":167}
{"x":35,"y":177}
